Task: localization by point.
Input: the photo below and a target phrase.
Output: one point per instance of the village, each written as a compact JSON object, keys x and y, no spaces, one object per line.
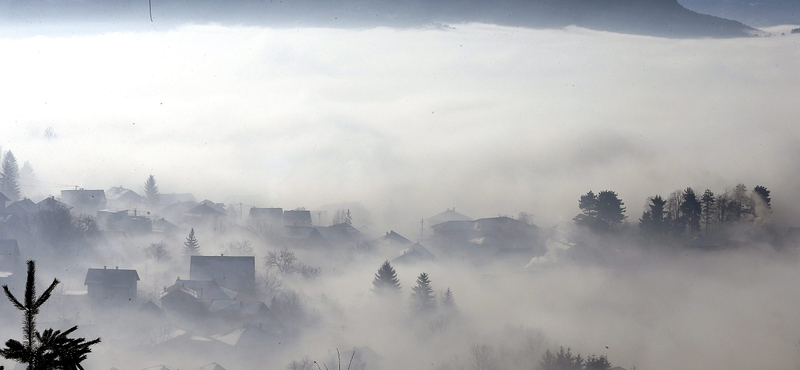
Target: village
{"x":233,"y":303}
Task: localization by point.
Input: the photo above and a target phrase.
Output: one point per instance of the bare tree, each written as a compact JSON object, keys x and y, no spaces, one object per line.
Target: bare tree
{"x":482,"y":357}
{"x":284,"y":260}
{"x":157,"y":251}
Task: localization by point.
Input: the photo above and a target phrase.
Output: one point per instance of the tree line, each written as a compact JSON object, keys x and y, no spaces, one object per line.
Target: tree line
{"x":682,"y":213}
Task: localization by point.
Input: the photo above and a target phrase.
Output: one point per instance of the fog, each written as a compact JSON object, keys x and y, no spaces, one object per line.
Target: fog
{"x":406,"y":123}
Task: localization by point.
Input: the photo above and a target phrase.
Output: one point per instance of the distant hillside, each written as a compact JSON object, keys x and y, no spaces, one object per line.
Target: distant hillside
{"x":758,"y":13}
{"x":665,"y":18}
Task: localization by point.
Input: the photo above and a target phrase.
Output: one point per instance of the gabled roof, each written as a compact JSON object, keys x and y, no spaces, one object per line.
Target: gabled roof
{"x":339,"y":233}
{"x":392,"y":237}
{"x":3,"y":197}
{"x":164,"y":225}
{"x":22,"y":207}
{"x":417,"y":253}
{"x":51,"y":203}
{"x":111,"y":277}
{"x":122,"y":194}
{"x":9,"y":247}
{"x":220,"y":207}
{"x":206,"y":290}
{"x":302,"y":232}
{"x":204,"y":209}
{"x":212,"y":366}
{"x":448,"y":215}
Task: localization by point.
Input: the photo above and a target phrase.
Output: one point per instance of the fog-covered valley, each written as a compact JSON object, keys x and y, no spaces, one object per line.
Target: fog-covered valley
{"x":361,"y":135}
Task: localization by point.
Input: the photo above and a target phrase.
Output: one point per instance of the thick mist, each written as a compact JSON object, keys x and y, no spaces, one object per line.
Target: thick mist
{"x":513,"y":119}
{"x":405,"y":124}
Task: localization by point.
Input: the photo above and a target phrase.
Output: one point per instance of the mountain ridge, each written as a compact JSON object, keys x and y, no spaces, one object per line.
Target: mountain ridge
{"x":663,"y":18}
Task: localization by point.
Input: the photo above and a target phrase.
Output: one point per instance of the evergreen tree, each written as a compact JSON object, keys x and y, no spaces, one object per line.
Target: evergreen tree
{"x":561,"y":360}
{"x":448,"y":301}
{"x":594,"y":362}
{"x":422,"y":299}
{"x":9,"y":177}
{"x":386,"y":280}
{"x":601,"y":212}
{"x":691,"y":210}
{"x":709,"y":207}
{"x":588,"y":204}
{"x":653,"y":221}
{"x":191,"y":246}
{"x":610,"y":208}
{"x":151,"y":195}
{"x":47,"y":350}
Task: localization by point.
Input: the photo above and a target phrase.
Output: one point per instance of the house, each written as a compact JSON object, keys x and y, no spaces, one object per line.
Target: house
{"x":449,"y":215}
{"x":52,"y":204}
{"x":306,"y":237}
{"x":416,"y":254}
{"x":118,"y":196}
{"x":297,"y":218}
{"x":187,"y":297}
{"x":344,"y":234}
{"x":111,"y":286}
{"x":233,"y":272}
{"x":23,"y":209}
{"x":392,"y":239}
{"x":123,"y":220}
{"x":266,"y":220}
{"x":85,"y":201}
{"x":495,"y":232}
{"x":206,"y":211}
{"x":163,"y":226}
{"x":172,"y":198}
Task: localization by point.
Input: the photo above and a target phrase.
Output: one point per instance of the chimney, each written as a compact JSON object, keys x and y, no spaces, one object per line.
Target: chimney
{"x":104,"y":267}
{"x":116,"y":267}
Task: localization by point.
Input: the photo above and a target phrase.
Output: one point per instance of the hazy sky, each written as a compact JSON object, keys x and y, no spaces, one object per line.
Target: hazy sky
{"x":491,"y":120}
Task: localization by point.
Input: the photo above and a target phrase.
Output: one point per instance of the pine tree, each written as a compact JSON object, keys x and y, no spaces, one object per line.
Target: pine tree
{"x":422,"y":299}
{"x":691,"y":209}
{"x":653,"y":221}
{"x":448,"y":301}
{"x":151,"y":195}
{"x":9,"y":177}
{"x":386,"y":280}
{"x":49,"y":349}
{"x":709,"y":207}
{"x":191,"y":246}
